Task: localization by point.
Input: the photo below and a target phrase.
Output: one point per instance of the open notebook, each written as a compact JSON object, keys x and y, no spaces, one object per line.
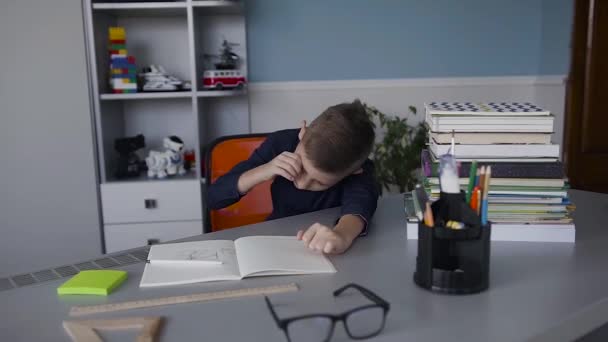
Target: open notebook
{"x":213,"y":260}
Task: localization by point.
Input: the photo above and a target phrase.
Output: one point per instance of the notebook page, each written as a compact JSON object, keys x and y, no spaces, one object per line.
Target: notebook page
{"x":188,"y":271}
{"x":278,"y":255}
{"x":210,"y":251}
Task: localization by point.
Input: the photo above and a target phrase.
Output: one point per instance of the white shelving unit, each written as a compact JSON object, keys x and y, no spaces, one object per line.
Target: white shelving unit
{"x":176,"y":35}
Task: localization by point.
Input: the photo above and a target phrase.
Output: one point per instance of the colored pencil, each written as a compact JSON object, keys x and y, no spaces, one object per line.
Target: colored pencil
{"x":471,"y":181}
{"x":486,"y":190}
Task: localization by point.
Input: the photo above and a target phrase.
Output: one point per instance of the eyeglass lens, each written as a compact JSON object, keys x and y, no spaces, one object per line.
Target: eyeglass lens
{"x":313,"y":329}
{"x":365,"y":322}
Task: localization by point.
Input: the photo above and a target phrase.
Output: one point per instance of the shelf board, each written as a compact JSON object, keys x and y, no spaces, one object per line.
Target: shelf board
{"x":218,"y":6}
{"x":142,"y":8}
{"x":190,"y":175}
{"x":221,"y":93}
{"x":144,"y":96}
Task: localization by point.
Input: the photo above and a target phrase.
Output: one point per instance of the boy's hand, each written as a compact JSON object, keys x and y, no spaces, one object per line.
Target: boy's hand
{"x":321,"y":238}
{"x":333,"y":241}
{"x":286,"y":164}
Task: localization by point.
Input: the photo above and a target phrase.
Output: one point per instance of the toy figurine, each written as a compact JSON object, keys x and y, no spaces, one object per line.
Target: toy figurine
{"x":189,"y":160}
{"x":170,"y":162}
{"x":226,"y":73}
{"x":155,"y":78}
{"x":228,"y":59}
{"x":223,"y":79}
{"x":129,"y":164}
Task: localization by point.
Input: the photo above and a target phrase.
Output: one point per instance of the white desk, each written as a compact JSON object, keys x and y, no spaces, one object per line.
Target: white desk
{"x":533,"y":286}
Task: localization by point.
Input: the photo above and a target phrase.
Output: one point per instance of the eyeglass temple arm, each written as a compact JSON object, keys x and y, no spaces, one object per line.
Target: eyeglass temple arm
{"x":367,"y":293}
{"x":274,"y":314}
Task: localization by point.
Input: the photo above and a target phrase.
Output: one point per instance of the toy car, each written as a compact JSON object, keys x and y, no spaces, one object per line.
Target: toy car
{"x":222,"y":79}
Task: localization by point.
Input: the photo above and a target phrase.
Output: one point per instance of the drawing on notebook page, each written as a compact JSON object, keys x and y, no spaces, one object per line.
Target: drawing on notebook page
{"x":198,"y":254}
{"x":228,"y":251}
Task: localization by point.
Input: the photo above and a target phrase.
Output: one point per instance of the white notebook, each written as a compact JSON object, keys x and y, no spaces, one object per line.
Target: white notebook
{"x":499,"y":150}
{"x":214,"y":260}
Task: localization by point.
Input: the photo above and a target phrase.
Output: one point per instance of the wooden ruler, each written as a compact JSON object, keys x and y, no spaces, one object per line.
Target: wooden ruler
{"x":197,"y":297}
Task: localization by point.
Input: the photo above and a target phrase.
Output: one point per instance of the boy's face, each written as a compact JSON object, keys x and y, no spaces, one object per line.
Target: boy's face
{"x":311,"y":178}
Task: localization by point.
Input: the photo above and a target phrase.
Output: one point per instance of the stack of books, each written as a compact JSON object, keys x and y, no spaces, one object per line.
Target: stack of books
{"x":123,"y":72}
{"x":492,"y":132}
{"x":528,"y":198}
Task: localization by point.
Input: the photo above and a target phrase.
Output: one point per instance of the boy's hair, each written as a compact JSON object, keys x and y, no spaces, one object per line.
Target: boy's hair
{"x":341,"y":137}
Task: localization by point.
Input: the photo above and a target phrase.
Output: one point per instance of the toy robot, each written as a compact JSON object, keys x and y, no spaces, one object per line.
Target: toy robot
{"x":129,"y":164}
{"x":170,"y":162}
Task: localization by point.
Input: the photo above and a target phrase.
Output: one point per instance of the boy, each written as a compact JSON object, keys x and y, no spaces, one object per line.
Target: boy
{"x":317,"y":167}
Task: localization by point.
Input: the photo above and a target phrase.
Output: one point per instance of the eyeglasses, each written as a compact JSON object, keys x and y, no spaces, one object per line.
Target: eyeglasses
{"x":360,"y":323}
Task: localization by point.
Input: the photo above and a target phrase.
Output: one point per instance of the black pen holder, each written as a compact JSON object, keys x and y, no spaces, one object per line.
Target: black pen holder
{"x":454,"y":261}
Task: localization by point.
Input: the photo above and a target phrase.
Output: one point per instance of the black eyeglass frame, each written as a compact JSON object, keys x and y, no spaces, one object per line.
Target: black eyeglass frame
{"x":283,"y":323}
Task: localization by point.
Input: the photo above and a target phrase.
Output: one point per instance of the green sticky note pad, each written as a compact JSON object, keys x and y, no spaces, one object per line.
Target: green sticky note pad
{"x":93,"y":282}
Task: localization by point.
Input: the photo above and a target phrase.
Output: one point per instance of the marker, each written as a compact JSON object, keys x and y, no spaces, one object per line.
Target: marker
{"x":472,"y":173}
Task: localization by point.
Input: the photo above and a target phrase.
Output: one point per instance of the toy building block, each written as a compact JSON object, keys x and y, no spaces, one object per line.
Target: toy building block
{"x":117,"y":33}
{"x":123,"y":72}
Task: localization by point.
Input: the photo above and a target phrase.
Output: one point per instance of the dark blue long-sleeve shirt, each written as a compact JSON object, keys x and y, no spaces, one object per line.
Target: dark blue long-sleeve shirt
{"x":357,"y":193}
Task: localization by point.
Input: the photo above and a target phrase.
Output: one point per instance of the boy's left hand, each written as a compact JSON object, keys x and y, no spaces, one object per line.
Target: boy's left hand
{"x":324,"y":239}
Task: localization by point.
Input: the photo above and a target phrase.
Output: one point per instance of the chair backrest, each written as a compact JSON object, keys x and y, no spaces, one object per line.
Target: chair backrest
{"x":222,"y":155}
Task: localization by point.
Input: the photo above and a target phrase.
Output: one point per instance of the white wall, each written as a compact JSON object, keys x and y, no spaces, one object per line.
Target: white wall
{"x":279,"y":105}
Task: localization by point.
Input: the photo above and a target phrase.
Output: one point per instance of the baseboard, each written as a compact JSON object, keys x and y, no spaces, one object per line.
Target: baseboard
{"x":408,"y":82}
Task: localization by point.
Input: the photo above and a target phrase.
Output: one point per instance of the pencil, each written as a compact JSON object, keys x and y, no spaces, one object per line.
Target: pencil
{"x":486,"y":190}
{"x":482,"y":177}
{"x":486,"y":186}
{"x":474,"y":200}
{"x":478,"y":202}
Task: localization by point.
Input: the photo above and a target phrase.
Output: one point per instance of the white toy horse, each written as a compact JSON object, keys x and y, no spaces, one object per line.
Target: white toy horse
{"x":170,"y":162}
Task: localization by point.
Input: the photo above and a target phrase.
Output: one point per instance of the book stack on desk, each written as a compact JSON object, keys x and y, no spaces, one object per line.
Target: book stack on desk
{"x":528,"y":191}
{"x":492,"y":132}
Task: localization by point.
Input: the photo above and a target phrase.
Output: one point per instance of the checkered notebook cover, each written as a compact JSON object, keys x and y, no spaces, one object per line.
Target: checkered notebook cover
{"x":484,"y":109}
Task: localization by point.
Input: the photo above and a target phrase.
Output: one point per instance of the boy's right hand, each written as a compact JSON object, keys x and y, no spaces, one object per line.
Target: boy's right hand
{"x":286,"y":164}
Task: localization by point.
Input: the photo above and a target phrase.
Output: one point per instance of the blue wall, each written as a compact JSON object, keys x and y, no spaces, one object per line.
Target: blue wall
{"x":555,"y":38}
{"x":366,"y":39}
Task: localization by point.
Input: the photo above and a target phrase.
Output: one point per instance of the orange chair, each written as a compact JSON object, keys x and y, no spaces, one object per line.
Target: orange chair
{"x":222,"y":155}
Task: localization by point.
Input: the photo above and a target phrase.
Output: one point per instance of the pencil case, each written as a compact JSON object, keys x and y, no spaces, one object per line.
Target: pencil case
{"x":454,"y":261}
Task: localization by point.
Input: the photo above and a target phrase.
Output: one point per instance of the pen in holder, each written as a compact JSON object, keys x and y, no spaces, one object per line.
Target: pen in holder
{"x":453,"y":260}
